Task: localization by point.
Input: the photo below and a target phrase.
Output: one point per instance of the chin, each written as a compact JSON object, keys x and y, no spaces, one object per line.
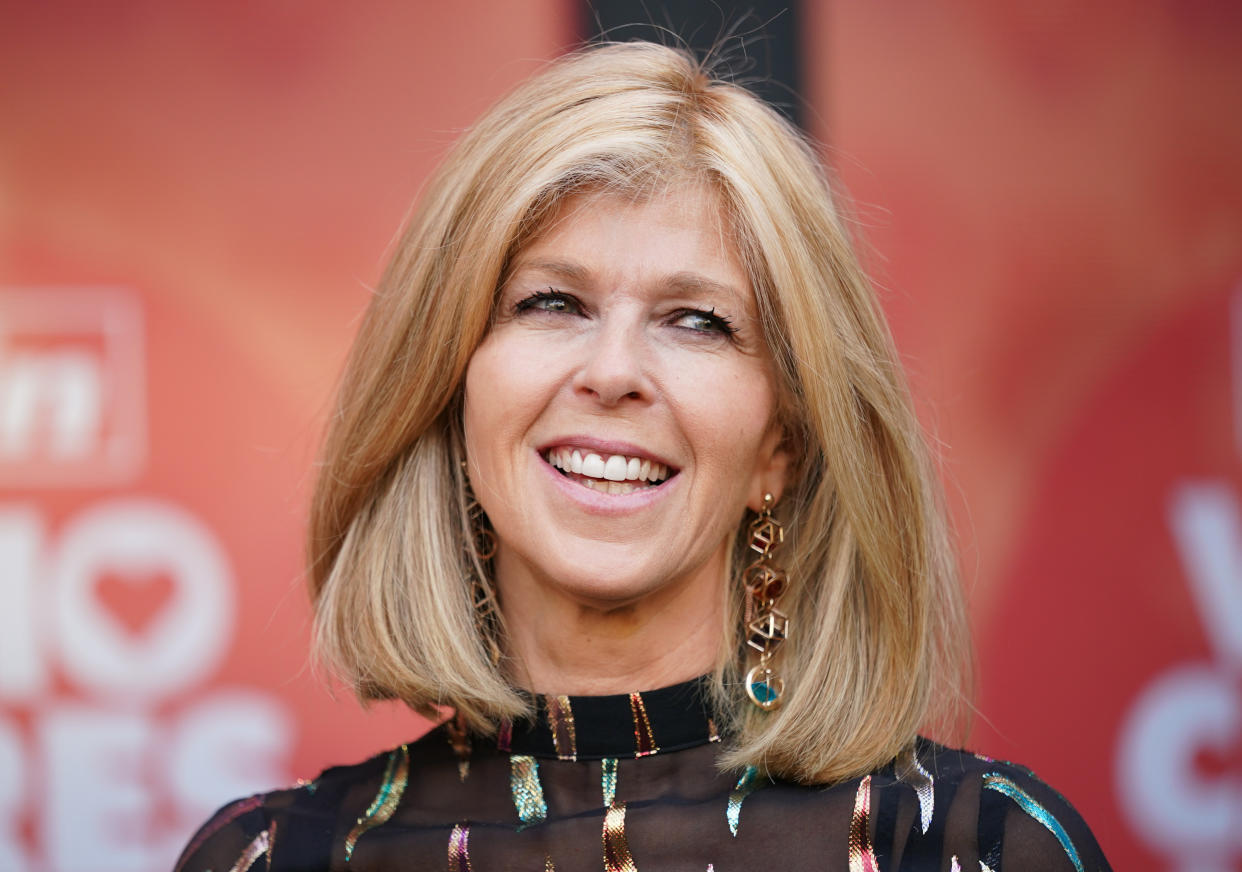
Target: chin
{"x":608,"y":589}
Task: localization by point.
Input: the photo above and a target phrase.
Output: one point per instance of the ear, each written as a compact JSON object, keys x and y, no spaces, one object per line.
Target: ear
{"x":772,"y":466}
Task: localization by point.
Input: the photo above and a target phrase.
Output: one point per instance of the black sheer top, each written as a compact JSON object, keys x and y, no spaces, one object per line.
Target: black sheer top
{"x":629,"y":782}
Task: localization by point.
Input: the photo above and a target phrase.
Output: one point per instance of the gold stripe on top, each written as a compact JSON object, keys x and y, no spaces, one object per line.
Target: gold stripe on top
{"x":561,"y":722}
{"x":862,"y":855}
{"x":527,"y":790}
{"x":644,"y":740}
{"x":385,"y":802}
{"x":459,"y":849}
{"x":616,"y":849}
{"x":256,"y":849}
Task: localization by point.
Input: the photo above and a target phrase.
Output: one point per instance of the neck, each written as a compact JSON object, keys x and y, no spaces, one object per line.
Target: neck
{"x":563,"y":643}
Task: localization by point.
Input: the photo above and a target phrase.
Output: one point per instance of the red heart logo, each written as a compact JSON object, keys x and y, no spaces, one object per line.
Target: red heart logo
{"x":134,"y":598}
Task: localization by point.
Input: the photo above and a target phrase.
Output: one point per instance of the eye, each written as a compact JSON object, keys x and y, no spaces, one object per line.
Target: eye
{"x":549,"y":301}
{"x":704,"y":321}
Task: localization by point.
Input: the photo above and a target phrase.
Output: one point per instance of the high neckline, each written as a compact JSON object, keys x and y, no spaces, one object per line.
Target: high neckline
{"x":637,"y":724}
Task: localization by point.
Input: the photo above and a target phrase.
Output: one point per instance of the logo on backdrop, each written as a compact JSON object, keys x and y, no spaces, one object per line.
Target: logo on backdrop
{"x":72,"y":399}
{"x":109,"y":617}
{"x":1175,"y":780}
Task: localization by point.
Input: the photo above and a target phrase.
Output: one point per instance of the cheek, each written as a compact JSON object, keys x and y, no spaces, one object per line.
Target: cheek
{"x":503,"y":396}
{"x":482,"y":418}
{"x":478,"y":399}
{"x":728,"y":412}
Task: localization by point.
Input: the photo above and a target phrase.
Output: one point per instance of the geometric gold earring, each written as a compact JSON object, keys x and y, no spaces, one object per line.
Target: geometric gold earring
{"x":767,"y":627}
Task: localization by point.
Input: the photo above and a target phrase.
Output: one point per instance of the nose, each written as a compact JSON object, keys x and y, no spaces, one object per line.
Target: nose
{"x":615,"y":365}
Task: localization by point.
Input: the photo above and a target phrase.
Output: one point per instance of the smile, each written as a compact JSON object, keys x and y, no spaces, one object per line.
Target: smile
{"x":613,"y":474}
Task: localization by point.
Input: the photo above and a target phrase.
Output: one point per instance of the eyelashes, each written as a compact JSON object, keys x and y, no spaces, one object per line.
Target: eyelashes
{"x":707,"y":321}
{"x":702,"y":321}
{"x":549,"y":301}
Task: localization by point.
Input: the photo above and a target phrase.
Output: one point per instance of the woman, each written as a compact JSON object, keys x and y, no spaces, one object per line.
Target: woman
{"x":624,"y":473}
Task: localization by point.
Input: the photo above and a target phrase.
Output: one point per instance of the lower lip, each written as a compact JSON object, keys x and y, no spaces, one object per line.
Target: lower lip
{"x":599,"y":503}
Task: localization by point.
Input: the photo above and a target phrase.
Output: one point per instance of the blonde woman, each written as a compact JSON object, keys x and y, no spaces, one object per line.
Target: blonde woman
{"x":624,"y":474}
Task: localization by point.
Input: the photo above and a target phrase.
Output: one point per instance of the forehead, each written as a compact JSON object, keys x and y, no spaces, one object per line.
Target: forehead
{"x":680,"y":232}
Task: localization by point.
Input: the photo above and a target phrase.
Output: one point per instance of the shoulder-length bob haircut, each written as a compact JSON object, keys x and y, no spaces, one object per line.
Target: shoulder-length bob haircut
{"x":876,"y":615}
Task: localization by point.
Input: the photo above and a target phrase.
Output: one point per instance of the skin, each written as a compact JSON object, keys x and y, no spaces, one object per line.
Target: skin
{"x":610,"y":337}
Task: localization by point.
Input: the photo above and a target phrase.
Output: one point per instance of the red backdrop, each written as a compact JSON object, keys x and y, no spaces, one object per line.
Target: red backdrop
{"x":194,"y":200}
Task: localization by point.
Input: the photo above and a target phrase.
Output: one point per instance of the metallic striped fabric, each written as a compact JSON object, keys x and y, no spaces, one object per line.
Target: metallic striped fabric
{"x":862,"y":855}
{"x":459,"y":849}
{"x":912,"y":772}
{"x":747,"y":784}
{"x":561,"y":722}
{"x":644,"y":740}
{"x":261,"y":845}
{"x":385,"y":803}
{"x":608,"y":779}
{"x":527,"y":790}
{"x":1001,"y":784}
{"x":616,"y":848}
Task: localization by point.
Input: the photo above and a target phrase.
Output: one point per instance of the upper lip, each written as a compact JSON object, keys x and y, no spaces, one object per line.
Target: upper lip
{"x":606,"y":448}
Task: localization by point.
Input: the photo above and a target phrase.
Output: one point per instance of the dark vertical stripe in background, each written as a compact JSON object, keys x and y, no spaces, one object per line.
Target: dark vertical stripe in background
{"x":757,"y":42}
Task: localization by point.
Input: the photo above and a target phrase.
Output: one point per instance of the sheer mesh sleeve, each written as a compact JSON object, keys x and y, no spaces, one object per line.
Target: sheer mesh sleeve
{"x":1040,"y":830}
{"x":1000,"y":816}
{"x":309,"y":828}
{"x":238,"y":836}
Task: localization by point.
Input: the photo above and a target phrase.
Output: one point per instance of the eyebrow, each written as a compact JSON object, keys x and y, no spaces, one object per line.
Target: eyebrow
{"x":696,"y":284}
{"x":687,"y":282}
{"x":565,"y":269}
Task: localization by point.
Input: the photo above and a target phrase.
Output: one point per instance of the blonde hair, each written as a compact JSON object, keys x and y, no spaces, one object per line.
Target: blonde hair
{"x":877,"y":628}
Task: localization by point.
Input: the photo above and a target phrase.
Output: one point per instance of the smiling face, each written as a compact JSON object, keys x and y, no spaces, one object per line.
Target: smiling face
{"x":620,"y":414}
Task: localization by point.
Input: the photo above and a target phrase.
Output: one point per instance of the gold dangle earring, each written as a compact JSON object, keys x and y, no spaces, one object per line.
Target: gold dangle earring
{"x":480,"y":547}
{"x":766,"y":625}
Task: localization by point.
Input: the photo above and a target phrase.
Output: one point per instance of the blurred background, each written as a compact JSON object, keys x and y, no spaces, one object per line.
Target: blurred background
{"x":195,"y":198}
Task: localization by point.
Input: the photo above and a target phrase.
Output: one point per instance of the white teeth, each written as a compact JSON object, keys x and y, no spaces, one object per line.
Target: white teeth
{"x":615,"y":468}
{"x":593,"y":466}
{"x":614,"y":471}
